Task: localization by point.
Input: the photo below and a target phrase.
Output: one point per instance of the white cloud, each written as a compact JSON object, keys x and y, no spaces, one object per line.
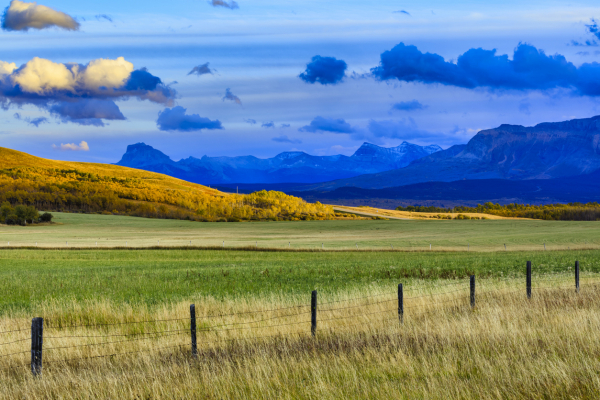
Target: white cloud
{"x":83,"y":146}
{"x":7,"y":68}
{"x":22,"y":16}
{"x":84,"y":94}
{"x":42,"y":77}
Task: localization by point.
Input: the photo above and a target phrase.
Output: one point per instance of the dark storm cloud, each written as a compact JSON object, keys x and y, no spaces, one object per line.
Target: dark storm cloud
{"x":324,"y":70}
{"x":529,"y":69}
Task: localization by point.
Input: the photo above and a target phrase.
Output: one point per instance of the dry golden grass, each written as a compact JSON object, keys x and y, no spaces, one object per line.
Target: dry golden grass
{"x":507,"y":347}
{"x":412,"y":215}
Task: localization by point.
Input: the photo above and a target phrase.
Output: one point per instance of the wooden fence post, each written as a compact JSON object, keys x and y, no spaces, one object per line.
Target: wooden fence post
{"x":193,"y":329}
{"x":37,"y":339}
{"x":577,"y":276}
{"x":401,"y":303}
{"x":528,"y":279}
{"x":313,"y":319}
{"x":472,"y":290}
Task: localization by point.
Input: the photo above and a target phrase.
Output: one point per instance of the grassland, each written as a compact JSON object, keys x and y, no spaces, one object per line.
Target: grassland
{"x":84,"y":230}
{"x":507,"y":347}
{"x":253,"y":314}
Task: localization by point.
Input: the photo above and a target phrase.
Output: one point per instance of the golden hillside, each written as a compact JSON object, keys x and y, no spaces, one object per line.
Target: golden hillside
{"x":89,"y":187}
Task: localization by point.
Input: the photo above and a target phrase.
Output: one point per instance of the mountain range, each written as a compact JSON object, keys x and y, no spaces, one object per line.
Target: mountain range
{"x":549,"y":162}
{"x":512,"y":152}
{"x":289,"y":167}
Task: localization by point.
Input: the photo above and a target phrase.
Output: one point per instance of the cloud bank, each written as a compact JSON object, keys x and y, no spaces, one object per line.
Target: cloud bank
{"x":22,"y":16}
{"x":83,"y":94}
{"x":83,"y":146}
{"x":201,"y":70}
{"x":176,"y":119}
{"x":324,"y":70}
{"x":530,"y":69}
{"x":268,"y":125}
{"x":232,"y":5}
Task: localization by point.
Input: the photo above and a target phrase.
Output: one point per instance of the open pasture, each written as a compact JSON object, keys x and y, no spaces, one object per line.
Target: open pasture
{"x":117,"y":320}
{"x":260,"y":346}
{"x":85,"y":230}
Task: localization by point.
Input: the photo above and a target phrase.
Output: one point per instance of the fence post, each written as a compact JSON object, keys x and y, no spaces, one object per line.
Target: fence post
{"x":313,"y":319}
{"x":472,"y":290}
{"x":193,"y":329}
{"x":37,"y":338}
{"x":401,"y":303}
{"x":577,"y":276}
{"x":528,"y":279}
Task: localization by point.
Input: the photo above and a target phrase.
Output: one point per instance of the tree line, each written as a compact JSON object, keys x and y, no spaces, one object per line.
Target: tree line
{"x":70,"y":190}
{"x":22,"y":214}
{"x":553,"y":212}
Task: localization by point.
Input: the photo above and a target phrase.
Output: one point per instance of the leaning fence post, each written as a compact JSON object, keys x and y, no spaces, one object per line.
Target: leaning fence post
{"x":193,"y":329}
{"x":472,"y":290}
{"x":528,"y":279}
{"x":401,"y":303}
{"x":577,"y":276}
{"x":313,"y":319}
{"x":37,"y":336}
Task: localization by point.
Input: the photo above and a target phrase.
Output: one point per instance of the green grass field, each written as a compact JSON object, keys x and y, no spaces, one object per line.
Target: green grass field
{"x":30,"y":279}
{"x":252,"y":304}
{"x":81,"y":230}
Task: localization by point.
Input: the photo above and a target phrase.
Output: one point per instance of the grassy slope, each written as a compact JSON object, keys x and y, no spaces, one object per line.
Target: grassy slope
{"x":12,"y":158}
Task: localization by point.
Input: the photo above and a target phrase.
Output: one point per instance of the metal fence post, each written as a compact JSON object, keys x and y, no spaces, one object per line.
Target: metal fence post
{"x":193,"y":330}
{"x":37,"y":339}
{"x":313,"y":319}
{"x":577,"y":276}
{"x":472,"y":290}
{"x":401,"y":303}
{"x":528,"y":279}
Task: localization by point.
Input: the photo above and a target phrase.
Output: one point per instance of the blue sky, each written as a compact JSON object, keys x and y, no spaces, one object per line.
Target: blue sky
{"x":258,"y":52}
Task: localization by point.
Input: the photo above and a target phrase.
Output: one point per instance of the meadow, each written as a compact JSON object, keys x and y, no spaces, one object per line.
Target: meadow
{"x":111,"y":231}
{"x":117,"y":319}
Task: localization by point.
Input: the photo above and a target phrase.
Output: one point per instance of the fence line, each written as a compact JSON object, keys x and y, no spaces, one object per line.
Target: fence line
{"x":37,"y":324}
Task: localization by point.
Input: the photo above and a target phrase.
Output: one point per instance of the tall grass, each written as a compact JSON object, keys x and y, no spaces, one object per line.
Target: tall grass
{"x":506,"y":347}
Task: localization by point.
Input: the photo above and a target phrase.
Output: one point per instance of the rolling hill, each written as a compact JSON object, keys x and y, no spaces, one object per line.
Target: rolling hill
{"x":88,"y":187}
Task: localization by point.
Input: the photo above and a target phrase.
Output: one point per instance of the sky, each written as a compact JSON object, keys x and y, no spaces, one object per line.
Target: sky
{"x":82,"y":80}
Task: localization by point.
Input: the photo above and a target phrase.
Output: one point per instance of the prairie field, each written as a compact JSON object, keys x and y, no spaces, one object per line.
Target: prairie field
{"x":109,"y":231}
{"x":261,"y":346}
{"x":117,"y":320}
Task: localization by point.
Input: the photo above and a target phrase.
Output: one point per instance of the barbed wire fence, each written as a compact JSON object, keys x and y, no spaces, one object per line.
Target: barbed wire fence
{"x":307,"y":317}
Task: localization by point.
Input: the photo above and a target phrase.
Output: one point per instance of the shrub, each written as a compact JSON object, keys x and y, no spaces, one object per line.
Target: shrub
{"x":46,"y":217}
{"x":12,"y":219}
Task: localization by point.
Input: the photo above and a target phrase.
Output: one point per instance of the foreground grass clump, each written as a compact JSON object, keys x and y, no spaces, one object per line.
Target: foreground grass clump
{"x":507,"y":347}
{"x":29,"y":278}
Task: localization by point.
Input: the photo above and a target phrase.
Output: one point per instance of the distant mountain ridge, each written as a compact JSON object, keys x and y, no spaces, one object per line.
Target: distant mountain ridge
{"x":513,"y":152}
{"x":297,"y":167}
